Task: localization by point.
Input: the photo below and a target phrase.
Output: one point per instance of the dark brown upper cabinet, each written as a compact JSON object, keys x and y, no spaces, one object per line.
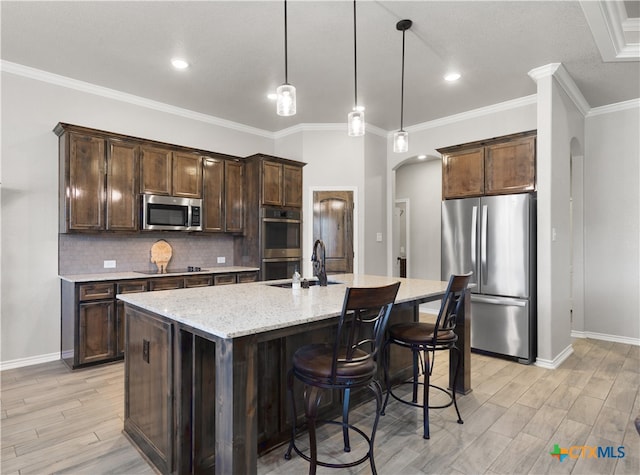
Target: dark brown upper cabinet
{"x":279,"y":181}
{"x":98,"y":182}
{"x":223,"y":194}
{"x":171,"y":173}
{"x":122,"y":186}
{"x":497,"y":166}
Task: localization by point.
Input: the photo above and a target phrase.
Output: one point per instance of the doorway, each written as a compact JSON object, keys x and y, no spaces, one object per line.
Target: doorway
{"x":401,"y":238}
{"x":333,"y":224}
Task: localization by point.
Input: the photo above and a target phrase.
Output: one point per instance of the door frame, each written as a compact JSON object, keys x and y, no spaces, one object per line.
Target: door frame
{"x":407,"y":225}
{"x":307,"y":232}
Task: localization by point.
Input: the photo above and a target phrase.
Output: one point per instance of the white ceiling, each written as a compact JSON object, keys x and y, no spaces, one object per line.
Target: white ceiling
{"x":236,"y":53}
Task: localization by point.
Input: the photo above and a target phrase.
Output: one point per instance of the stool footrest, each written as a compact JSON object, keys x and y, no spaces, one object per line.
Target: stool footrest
{"x":334,"y":465}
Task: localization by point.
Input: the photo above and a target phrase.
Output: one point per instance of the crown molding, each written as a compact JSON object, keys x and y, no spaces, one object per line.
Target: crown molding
{"x":472,"y":114}
{"x":82,"y":86}
{"x":617,"y":107}
{"x":559,"y":72}
{"x":615,"y":34}
{"x":326,"y":127}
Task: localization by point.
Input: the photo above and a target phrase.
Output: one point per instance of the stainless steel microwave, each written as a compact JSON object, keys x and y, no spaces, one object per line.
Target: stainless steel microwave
{"x":170,"y":213}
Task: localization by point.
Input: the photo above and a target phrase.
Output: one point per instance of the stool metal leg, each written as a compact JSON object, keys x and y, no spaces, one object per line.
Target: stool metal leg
{"x":425,"y":396}
{"x":455,"y":381}
{"x":312,"y":401}
{"x":287,"y":454}
{"x":386,"y":356}
{"x":345,"y":420}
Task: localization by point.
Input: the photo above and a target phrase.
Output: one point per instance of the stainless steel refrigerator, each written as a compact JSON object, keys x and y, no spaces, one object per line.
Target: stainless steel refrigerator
{"x":495,"y":237}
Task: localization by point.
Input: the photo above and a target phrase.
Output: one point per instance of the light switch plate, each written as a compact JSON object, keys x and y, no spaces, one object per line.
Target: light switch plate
{"x":109,"y":264}
{"x":222,"y":260}
{"x":379,"y":237}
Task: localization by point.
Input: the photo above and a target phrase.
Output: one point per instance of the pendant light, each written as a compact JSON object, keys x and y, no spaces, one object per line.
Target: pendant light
{"x":401,"y":138}
{"x":286,"y":94}
{"x":355,"y":119}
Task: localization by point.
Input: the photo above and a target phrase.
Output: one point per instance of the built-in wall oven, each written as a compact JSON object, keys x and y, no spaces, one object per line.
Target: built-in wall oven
{"x":281,"y":243}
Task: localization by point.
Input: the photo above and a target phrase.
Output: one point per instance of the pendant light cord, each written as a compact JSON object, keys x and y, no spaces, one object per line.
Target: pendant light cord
{"x":286,"y":62}
{"x":355,"y":57}
{"x":402,"y":87}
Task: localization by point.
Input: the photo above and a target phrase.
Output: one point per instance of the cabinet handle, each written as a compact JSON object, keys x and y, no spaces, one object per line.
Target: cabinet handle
{"x":145,"y":351}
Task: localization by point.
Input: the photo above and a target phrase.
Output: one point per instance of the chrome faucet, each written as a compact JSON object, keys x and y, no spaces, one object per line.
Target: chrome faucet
{"x":318,"y":259}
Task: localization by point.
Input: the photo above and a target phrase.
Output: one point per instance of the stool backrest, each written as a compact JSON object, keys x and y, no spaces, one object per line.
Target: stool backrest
{"x":452,"y":303}
{"x":362,"y":323}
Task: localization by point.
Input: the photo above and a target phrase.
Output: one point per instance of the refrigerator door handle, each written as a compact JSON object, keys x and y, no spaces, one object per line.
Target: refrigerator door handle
{"x":474,"y":232}
{"x":498,"y":301}
{"x":483,"y":245}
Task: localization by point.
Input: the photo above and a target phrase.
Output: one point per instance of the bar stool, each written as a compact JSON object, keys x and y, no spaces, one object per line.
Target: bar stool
{"x":428,"y":338}
{"x":347,"y":363}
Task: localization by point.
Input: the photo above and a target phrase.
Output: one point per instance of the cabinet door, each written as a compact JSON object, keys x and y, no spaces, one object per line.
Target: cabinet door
{"x":272,"y":184}
{"x":463,"y":173}
{"x":292,"y":186}
{"x":234,"y":196}
{"x":97,"y":332}
{"x":125,"y":287}
{"x":187,"y":175}
{"x":155,"y":170}
{"x":122,"y":186}
{"x":213,"y":193}
{"x":510,"y":167}
{"x":86,"y":187}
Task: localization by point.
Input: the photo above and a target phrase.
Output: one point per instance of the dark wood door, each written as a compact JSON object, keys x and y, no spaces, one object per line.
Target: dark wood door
{"x":234,"y":196}
{"x":510,"y":167}
{"x":271,"y":184}
{"x":333,"y":223}
{"x":155,"y":170}
{"x":463,"y":173}
{"x":292,"y":186}
{"x":187,"y":175}
{"x":213,"y":194}
{"x":97,"y":331}
{"x":86,"y":183}
{"x":122,"y":186}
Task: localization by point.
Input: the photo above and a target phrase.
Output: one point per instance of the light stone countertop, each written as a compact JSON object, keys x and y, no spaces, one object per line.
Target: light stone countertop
{"x":233,"y":311}
{"x":104,"y":276}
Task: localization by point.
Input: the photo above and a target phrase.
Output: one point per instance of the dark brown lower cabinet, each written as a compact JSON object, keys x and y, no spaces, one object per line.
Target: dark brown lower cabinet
{"x":148,"y":402}
{"x":97,"y":331}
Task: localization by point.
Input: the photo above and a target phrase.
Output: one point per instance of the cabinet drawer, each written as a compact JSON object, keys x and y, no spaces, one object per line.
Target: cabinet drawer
{"x":131,"y":286}
{"x":166,"y":283}
{"x":198,"y":281}
{"x":224,"y":279}
{"x":98,"y":291}
{"x":245,"y":277}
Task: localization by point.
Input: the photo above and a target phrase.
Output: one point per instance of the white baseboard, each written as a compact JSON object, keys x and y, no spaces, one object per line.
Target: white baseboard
{"x":603,"y":336}
{"x":21,"y":362}
{"x":557,"y":361}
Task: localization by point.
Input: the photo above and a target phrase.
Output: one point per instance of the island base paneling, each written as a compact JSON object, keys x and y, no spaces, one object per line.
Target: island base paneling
{"x":173,"y":409}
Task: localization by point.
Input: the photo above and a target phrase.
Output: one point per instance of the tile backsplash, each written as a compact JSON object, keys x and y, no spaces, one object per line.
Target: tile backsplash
{"x":85,"y":254}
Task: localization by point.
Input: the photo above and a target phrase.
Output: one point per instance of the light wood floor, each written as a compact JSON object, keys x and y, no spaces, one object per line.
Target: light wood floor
{"x":57,"y":421}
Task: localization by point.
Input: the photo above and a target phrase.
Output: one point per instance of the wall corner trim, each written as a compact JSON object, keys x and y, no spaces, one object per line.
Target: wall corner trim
{"x":557,"y":361}
{"x":559,"y":72}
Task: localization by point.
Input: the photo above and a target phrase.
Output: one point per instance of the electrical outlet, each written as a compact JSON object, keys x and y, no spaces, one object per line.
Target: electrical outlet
{"x":109,"y":264}
{"x":222,"y":260}
{"x":379,"y":237}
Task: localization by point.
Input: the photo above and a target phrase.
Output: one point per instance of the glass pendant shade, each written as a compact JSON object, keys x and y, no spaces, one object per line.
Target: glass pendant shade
{"x":355,"y":123}
{"x":400,"y":141}
{"x":286,"y":100}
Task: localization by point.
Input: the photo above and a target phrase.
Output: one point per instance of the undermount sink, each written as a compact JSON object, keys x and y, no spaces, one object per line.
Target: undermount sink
{"x":311,"y":283}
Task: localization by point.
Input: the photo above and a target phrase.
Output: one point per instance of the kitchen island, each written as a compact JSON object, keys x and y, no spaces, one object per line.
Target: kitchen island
{"x":205,"y":372}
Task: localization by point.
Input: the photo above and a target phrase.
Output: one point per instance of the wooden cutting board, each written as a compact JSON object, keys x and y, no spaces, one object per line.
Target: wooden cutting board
{"x":161,"y":253}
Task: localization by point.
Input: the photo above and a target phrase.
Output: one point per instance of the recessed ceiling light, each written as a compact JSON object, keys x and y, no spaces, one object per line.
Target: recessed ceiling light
{"x":179,"y":63}
{"x":452,"y":77}
{"x":421,"y":157}
{"x":272,"y":95}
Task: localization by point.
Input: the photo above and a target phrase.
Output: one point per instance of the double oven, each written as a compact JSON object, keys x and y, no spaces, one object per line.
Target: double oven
{"x":281,"y":243}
